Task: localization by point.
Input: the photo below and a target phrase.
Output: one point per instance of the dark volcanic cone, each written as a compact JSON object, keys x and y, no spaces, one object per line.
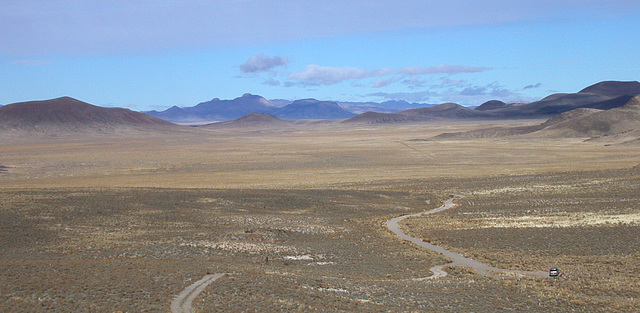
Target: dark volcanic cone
{"x":70,"y":115}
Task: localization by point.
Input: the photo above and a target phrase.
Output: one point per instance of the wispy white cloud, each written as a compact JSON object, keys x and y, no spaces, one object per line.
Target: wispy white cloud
{"x":31,"y":62}
{"x":263,"y":63}
{"x":328,"y":75}
{"x":533,"y":86}
{"x":441,"y":69}
{"x":271,"y":82}
{"x":417,"y":96}
{"x":382,"y":82}
{"x":458,"y":91}
{"x":451,"y":82}
{"x":474,"y":91}
{"x":414,"y":82}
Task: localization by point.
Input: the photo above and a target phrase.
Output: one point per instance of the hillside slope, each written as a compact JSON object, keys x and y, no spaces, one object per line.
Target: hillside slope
{"x":621,"y":124}
{"x":445,"y":111}
{"x":603,"y":95}
{"x":67,"y":115}
{"x":312,"y":109}
{"x":251,"y":120}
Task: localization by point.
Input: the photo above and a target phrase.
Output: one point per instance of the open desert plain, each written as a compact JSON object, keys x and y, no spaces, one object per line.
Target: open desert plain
{"x":319,"y":156}
{"x":296,"y":218}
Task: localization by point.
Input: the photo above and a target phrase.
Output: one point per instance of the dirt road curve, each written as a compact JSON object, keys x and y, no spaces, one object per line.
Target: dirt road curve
{"x":182,"y":302}
{"x":458,"y":259}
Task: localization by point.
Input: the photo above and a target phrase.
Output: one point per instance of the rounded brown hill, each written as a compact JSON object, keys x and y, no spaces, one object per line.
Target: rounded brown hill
{"x":624,"y":120}
{"x":491,"y":105}
{"x":251,"y":120}
{"x":376,"y":118}
{"x":445,"y":111}
{"x":614,"y":88}
{"x":67,"y":114}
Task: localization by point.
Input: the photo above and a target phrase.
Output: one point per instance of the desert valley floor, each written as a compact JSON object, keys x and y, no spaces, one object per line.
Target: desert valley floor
{"x":295,"y":218}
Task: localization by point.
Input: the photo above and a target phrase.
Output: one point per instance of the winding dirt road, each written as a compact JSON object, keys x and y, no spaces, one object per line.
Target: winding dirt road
{"x":182,"y":302}
{"x":458,"y":259}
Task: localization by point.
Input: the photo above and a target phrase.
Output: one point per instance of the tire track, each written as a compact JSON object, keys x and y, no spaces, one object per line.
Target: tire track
{"x":182,"y":302}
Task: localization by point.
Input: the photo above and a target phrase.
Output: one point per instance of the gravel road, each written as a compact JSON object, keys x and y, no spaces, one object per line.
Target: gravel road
{"x":458,"y":259}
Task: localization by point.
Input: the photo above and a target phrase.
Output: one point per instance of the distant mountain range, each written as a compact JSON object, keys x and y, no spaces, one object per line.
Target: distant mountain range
{"x":391,"y":106}
{"x":222,"y":110}
{"x":68,"y":115}
{"x":603,"y":95}
{"x":438,"y":112}
{"x":312,"y":109}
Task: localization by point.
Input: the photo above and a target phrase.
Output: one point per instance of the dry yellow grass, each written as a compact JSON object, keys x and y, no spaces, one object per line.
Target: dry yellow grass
{"x":293,"y":158}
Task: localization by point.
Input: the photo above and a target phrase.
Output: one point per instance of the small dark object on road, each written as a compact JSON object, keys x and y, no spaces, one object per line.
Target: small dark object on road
{"x":554,"y":272}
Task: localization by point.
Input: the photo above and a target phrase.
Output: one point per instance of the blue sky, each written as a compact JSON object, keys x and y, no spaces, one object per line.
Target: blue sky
{"x":155,"y":54}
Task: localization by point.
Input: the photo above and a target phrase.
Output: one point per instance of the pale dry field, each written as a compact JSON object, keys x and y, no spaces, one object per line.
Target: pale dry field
{"x":300,"y":157}
{"x":295,"y":216}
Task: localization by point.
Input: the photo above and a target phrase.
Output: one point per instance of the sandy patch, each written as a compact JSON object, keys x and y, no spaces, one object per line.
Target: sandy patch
{"x":523,"y":189}
{"x":284,"y":224}
{"x":539,"y":188}
{"x":564,"y":220}
{"x":252,"y":248}
{"x":305,"y":257}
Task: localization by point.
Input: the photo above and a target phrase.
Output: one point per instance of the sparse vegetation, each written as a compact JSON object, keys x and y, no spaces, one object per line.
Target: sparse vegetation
{"x":296,"y":220}
{"x":585,"y":223}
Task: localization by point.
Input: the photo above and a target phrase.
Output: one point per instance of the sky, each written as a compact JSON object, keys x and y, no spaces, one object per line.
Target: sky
{"x":151,"y":55}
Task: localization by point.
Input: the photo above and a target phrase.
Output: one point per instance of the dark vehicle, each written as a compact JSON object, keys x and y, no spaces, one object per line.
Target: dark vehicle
{"x":554,"y":272}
